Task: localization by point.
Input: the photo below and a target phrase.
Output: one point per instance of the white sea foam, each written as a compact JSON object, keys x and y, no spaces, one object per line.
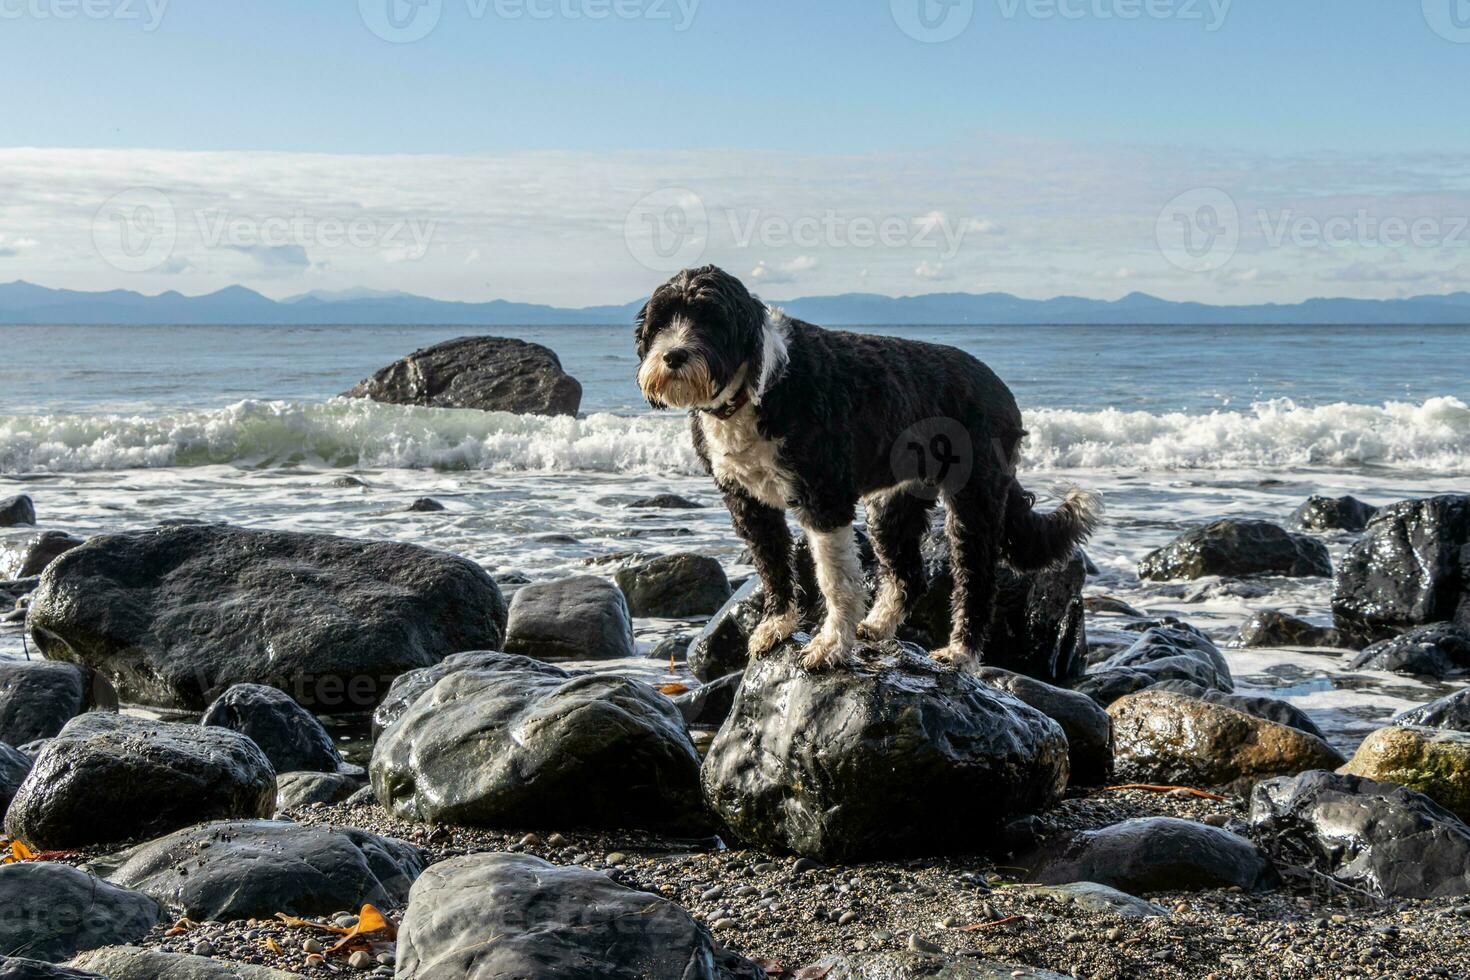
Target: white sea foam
{"x":1433,"y":436}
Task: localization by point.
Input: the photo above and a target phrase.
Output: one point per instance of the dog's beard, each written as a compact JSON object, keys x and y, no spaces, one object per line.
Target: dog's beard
{"x":690,"y":385}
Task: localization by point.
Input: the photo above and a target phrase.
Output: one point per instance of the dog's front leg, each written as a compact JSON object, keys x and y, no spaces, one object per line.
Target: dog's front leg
{"x":764,"y":529}
{"x":840,"y":576}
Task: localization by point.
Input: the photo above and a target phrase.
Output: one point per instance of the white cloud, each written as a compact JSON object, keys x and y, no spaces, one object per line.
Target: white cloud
{"x":785,"y":272}
{"x":931,"y":272}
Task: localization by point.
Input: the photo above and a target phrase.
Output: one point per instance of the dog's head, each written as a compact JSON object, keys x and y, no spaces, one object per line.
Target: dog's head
{"x":696,"y":336}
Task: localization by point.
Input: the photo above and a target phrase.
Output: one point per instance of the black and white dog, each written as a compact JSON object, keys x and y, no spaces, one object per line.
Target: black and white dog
{"x":787,"y":415}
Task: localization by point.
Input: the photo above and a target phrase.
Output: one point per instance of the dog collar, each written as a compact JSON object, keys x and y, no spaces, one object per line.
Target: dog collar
{"x":728,"y":410}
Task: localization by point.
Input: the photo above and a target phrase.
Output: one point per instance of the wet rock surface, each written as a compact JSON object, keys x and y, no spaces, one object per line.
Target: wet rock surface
{"x":1161,"y":653}
{"x":521,"y":745}
{"x":24,"y":554}
{"x":891,"y":756}
{"x":38,"y":697}
{"x":1451,"y":711}
{"x":492,"y":374}
{"x":674,"y":586}
{"x":295,"y":789}
{"x":1156,"y":854}
{"x":1271,"y":628}
{"x":1271,"y":709}
{"x":1087,"y":726}
{"x":132,"y":963}
{"x":1434,"y":762}
{"x":1238,"y":549}
{"x":578,"y":618}
{"x":1320,"y":513}
{"x":109,"y":777}
{"x":1440,"y":650}
{"x":175,"y":615}
{"x":54,"y":911}
{"x":20,"y":968}
{"x":289,"y":735}
{"x":17,"y":510}
{"x":15,"y":766}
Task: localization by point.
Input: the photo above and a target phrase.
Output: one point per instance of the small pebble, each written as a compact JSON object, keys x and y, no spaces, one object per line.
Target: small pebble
{"x":311,"y":946}
{"x":919,"y":944}
{"x":203,"y":948}
{"x":360,"y":960}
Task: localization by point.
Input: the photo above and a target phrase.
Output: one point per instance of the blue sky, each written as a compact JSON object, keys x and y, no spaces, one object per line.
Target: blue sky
{"x":1325,"y":108}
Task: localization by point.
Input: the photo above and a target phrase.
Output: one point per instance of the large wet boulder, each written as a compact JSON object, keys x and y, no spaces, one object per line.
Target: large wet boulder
{"x":1408,"y":569}
{"x":52,"y":911}
{"x":136,"y":963}
{"x":1174,"y":739}
{"x":17,"y":510}
{"x":1450,"y":712}
{"x":1433,"y":761}
{"x":1087,"y":726}
{"x":708,"y":705}
{"x":110,"y":777}
{"x":1259,"y":705}
{"x":289,"y":735}
{"x":1320,"y":513}
{"x":1037,"y":627}
{"x":256,"y":868}
{"x":1383,"y":838}
{"x":24,"y":553}
{"x":15,"y":766}
{"x":1152,"y":854}
{"x":893,"y":755}
{"x":1440,"y":650}
{"x":674,"y":586}
{"x":1273,"y":628}
{"x":551,"y":923}
{"x":406,"y":688}
{"x":920,"y":966}
{"x":492,"y":374}
{"x":515,"y":745}
{"x":38,"y":697}
{"x":722,"y":647}
{"x":578,"y":618}
{"x":175,"y":615}
{"x":1237,"y":549}
{"x":1161,"y":653}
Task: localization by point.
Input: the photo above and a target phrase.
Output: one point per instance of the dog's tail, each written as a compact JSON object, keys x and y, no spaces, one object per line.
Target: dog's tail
{"x":1034,"y":541}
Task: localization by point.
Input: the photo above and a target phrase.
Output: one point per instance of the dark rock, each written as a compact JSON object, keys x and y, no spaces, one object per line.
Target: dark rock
{"x":722,"y":647}
{"x":38,"y":697}
{"x":294,"y":789}
{"x":675,"y":648}
{"x":53,"y":911}
{"x":15,"y":766}
{"x":922,"y":966}
{"x":1154,"y":854}
{"x":1110,"y":605}
{"x":13,"y":590}
{"x":111,"y":777}
{"x":136,"y":963}
{"x":27,"y":553}
{"x":1270,"y":628}
{"x":174,"y":616}
{"x":348,"y":483}
{"x":511,"y":745}
{"x":1410,"y":568}
{"x":1441,"y":650}
{"x":493,"y":374}
{"x":1088,"y":729}
{"x":16,"y":968}
{"x":1332,"y":514}
{"x":709,"y":704}
{"x":666,"y":501}
{"x":1162,"y":653}
{"x":674,"y":586}
{"x":289,"y":735}
{"x":1386,"y":839}
{"x":1237,"y":549}
{"x":407,"y":687}
{"x":550,"y":923}
{"x":1450,"y":712}
{"x":894,"y":755}
{"x":1037,"y":628}
{"x":425,"y":505}
{"x":512,"y":578}
{"x":578,"y":618}
{"x":1173,"y":739}
{"x":256,"y":868}
{"x":17,"y":510}
{"x":1271,"y":709}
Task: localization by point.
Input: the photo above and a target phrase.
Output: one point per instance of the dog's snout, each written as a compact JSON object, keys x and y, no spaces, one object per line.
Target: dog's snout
{"x":676,"y":358}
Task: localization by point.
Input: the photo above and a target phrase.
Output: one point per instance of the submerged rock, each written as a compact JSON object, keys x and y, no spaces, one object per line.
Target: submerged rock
{"x":511,"y":745}
{"x":110,"y":777}
{"x":1237,"y":549}
{"x":1386,"y":839}
{"x":1173,"y":739}
{"x":1408,"y":569}
{"x":289,"y":735}
{"x":893,"y":755}
{"x":1087,"y":726}
{"x":674,"y":586}
{"x":256,"y":868}
{"x":492,"y":374}
{"x":1154,"y":854}
{"x":1435,"y":762}
{"x":53,"y":911}
{"x":38,"y":697}
{"x":578,"y":618}
{"x":1450,"y":712}
{"x":1441,"y":650}
{"x":551,"y":923}
{"x":17,"y":510}
{"x":1162,"y":653}
{"x":1332,"y":514}
{"x":27,"y":553}
{"x":665,"y":501}
{"x":175,"y":615}
{"x":1272,"y":628}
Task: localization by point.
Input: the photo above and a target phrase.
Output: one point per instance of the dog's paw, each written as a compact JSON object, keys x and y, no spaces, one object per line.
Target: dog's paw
{"x":770,"y":634}
{"x":956,"y":658}
{"x":875,"y":632}
{"x":824,"y":652}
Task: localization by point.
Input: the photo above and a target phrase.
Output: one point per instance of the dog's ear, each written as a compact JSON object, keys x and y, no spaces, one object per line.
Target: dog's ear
{"x":640,"y":330}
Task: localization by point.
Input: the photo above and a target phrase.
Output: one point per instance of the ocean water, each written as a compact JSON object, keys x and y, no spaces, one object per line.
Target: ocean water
{"x":116,"y":427}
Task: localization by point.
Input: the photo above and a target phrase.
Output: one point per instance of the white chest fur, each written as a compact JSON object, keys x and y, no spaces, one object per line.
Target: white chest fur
{"x":739,"y":454}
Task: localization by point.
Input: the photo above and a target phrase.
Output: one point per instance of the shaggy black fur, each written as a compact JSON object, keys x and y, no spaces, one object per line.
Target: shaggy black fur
{"x":849,"y":411}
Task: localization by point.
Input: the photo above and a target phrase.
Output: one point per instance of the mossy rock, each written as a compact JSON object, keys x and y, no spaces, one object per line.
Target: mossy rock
{"x":1432,"y":761}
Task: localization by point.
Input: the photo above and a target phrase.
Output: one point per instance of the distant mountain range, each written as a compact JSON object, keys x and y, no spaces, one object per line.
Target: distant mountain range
{"x":22,"y":302}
